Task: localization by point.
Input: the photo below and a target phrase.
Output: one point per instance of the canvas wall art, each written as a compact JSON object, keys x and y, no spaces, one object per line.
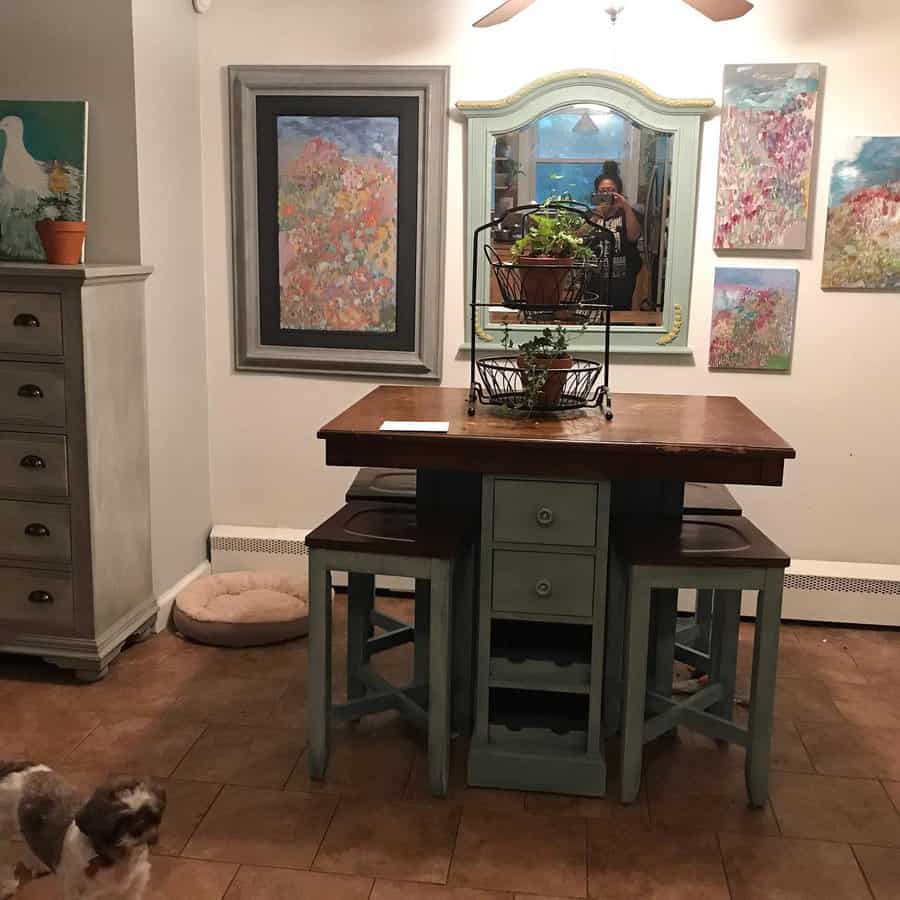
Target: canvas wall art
{"x":862,"y":237}
{"x":43,"y":152}
{"x":339,"y":195}
{"x":766,"y":149}
{"x":754,"y":312}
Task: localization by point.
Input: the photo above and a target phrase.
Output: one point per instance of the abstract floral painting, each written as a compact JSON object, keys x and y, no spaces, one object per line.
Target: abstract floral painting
{"x":862,"y":238}
{"x":766,"y":156}
{"x":337,"y":222}
{"x":43,"y":147}
{"x":753,"y":319}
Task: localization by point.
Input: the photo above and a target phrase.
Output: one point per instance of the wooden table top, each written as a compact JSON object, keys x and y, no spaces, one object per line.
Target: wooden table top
{"x":677,"y":437}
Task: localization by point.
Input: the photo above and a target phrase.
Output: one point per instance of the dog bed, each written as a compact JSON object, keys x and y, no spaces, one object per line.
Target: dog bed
{"x":243,"y":609}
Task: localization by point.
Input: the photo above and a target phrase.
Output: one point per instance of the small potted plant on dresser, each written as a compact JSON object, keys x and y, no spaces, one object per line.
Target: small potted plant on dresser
{"x":546,"y":255}
{"x":543,"y":362}
{"x":60,"y":226}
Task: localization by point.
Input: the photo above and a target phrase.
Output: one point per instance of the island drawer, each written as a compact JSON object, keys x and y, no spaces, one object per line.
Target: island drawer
{"x":30,"y":323}
{"x":545,"y":512}
{"x":554,"y":584}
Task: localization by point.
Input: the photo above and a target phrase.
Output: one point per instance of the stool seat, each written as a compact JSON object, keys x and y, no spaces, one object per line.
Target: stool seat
{"x":390,"y":529}
{"x":709,"y":500}
{"x":387,"y":485}
{"x":701,"y":541}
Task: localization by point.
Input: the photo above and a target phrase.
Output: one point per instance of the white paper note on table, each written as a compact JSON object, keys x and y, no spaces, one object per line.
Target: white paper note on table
{"x":388,"y":425}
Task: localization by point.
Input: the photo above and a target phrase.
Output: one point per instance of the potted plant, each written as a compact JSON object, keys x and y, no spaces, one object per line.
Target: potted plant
{"x":543,"y":361}
{"x":546,"y":255}
{"x":59,"y":224}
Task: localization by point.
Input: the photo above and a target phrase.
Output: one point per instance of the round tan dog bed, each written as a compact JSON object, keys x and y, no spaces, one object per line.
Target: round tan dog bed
{"x":243,"y":609}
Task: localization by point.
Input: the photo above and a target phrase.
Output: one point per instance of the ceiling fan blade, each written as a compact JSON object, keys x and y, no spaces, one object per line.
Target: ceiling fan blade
{"x":721,"y":10}
{"x":503,"y":13}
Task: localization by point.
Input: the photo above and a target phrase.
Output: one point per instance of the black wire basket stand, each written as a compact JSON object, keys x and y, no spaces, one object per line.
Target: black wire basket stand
{"x":563,"y":295}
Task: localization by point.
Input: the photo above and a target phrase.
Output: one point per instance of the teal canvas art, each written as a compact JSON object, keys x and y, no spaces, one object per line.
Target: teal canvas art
{"x":43,"y":152}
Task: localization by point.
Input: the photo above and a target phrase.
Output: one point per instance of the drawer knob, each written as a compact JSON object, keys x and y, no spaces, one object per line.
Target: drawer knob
{"x":545,"y":516}
{"x":31,"y":391}
{"x":40,"y":597}
{"x":36,"y":529}
{"x":543,"y":588}
{"x":32,"y":461}
{"x":26,"y":320}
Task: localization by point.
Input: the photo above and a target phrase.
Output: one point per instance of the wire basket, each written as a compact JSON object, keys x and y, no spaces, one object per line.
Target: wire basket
{"x":506,"y":381}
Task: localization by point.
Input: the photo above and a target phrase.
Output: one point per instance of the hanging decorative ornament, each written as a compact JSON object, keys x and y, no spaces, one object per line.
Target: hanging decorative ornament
{"x":202,"y":6}
{"x":614,"y":12}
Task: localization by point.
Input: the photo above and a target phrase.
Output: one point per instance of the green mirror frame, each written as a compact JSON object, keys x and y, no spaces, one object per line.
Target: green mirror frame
{"x":682,"y":118}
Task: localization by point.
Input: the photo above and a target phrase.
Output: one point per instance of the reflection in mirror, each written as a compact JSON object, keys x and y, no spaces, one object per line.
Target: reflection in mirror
{"x":594,"y":155}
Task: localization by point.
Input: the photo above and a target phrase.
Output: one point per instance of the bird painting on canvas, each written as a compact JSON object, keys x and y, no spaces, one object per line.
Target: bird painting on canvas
{"x":42,"y":169}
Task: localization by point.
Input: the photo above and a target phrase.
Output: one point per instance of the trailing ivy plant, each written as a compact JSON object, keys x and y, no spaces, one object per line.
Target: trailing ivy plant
{"x":551,"y":343}
{"x":554,"y":233}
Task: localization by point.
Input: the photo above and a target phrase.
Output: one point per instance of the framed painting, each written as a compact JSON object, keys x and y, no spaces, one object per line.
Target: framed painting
{"x":339,"y":189}
{"x":862,"y":237}
{"x":753,"y":317}
{"x":766,"y":149}
{"x":43,"y":153}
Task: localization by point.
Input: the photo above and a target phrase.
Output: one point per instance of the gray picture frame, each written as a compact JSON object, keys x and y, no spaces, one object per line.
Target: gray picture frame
{"x":430,"y":85}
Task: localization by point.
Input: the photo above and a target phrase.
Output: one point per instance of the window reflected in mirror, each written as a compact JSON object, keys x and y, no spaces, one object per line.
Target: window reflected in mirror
{"x":591,"y":154}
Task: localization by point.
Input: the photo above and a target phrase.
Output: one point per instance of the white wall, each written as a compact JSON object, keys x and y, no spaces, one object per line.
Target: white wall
{"x":171,"y":230}
{"x":840,"y":406}
{"x":59,"y":50}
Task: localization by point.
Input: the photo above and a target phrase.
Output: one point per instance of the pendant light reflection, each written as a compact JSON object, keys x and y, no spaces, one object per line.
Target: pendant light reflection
{"x":585,"y":125}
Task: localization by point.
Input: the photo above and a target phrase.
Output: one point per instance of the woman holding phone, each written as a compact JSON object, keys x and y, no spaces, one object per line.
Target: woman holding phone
{"x":613,"y":212}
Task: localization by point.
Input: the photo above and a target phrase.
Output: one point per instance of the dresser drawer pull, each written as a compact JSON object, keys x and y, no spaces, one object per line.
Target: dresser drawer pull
{"x":40,"y":597}
{"x":32,"y":461}
{"x":31,"y":391}
{"x":36,"y":529}
{"x":26,"y":320}
{"x":545,"y":516}
{"x":543,"y":588}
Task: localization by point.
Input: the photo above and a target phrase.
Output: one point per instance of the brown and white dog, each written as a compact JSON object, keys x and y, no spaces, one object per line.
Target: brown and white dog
{"x":99,"y":847}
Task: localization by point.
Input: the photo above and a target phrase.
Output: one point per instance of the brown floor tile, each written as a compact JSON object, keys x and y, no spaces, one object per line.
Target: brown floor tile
{"x":370,"y":759}
{"x":543,"y":854}
{"x":796,"y":699}
{"x":187,"y":804}
{"x":893,"y":791}
{"x":683,"y":767}
{"x":834,"y":809}
{"x":881,"y":867}
{"x":645,"y":864}
{"x":459,"y":794}
{"x":252,"y":757}
{"x":399,"y":841}
{"x":879,"y":661}
{"x":254,"y":883}
{"x":147,"y":746}
{"x":230,"y":701}
{"x":48,"y":730}
{"x":262,"y":827}
{"x":844,"y":749}
{"x":827,"y":663}
{"x":608,"y":808}
{"x":680,"y":811}
{"x":761,"y":868}
{"x":404,"y":890}
{"x":867,"y":706}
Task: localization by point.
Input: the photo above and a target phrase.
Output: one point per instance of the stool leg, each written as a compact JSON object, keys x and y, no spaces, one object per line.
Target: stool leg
{"x":439,"y":685}
{"x":664,"y":616}
{"x":319,"y":664}
{"x":703,"y":618}
{"x":615,"y":646}
{"x":463,"y":643}
{"x":423,"y":628}
{"x":726,"y":622}
{"x":637,"y":625}
{"x":762,"y":688}
{"x":360,"y":603}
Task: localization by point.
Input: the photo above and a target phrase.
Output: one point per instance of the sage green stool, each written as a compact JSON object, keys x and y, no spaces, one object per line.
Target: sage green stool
{"x":365,"y":540}
{"x":720,"y":553}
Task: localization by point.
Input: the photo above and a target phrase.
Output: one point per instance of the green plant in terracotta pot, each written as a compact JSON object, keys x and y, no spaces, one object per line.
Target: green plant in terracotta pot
{"x":546,"y":253}
{"x":544,"y":361}
{"x":59,"y":224}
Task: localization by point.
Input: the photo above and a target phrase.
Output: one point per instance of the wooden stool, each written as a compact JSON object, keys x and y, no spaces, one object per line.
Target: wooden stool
{"x":727,"y":555}
{"x":368,"y":539}
{"x":384,"y":485}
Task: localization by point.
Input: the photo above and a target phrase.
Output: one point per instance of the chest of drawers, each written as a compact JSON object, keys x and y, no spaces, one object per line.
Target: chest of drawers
{"x":75,"y":568}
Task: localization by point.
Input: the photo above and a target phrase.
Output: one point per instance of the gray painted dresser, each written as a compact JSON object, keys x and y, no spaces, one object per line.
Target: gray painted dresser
{"x":75,"y":568}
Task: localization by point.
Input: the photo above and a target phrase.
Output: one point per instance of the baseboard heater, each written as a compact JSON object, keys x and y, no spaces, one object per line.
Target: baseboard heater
{"x":234,"y":548}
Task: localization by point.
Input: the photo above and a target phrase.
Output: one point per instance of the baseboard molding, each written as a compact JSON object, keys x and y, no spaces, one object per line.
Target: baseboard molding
{"x":166,"y":599}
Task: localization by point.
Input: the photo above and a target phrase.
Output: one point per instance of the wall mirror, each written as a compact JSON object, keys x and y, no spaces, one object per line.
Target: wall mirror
{"x":606,"y":141}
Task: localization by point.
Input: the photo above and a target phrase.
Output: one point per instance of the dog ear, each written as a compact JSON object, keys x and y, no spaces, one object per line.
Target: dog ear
{"x":100,"y":819}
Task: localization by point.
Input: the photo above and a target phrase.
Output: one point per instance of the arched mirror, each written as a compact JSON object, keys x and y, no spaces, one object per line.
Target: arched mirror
{"x":612,"y":144}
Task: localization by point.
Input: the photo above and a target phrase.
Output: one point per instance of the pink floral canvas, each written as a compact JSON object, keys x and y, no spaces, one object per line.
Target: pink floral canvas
{"x":765,"y":156}
{"x":753,"y":319}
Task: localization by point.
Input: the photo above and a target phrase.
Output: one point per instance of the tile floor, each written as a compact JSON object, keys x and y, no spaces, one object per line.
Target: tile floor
{"x":225,"y":729}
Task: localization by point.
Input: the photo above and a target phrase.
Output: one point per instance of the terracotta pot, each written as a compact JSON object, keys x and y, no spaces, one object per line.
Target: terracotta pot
{"x":543,"y":286}
{"x":552,"y":388}
{"x":63,"y":241}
